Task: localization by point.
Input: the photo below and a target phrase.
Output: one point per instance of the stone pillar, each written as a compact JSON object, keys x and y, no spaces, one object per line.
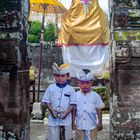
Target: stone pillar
{"x":125,"y":70}
{"x":14,"y":83}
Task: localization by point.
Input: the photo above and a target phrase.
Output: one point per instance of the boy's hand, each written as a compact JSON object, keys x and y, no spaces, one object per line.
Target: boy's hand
{"x":99,"y":127}
{"x":54,"y":114}
{"x":73,"y":126}
{"x":64,"y":115}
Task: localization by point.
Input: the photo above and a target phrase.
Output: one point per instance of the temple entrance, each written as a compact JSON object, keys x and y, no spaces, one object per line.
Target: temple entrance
{"x":124,"y":70}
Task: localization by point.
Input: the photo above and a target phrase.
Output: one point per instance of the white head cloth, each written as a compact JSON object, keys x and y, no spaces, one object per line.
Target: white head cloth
{"x":82,"y":76}
{"x":62,"y":69}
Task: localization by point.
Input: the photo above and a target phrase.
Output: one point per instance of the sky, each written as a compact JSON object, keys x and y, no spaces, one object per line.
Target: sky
{"x":103,"y":3}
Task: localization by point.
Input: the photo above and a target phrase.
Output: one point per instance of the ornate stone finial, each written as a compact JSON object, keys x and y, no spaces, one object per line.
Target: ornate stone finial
{"x":86,"y":4}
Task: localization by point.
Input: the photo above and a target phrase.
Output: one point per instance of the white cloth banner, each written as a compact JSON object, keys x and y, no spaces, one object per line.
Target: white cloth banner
{"x":92,"y":57}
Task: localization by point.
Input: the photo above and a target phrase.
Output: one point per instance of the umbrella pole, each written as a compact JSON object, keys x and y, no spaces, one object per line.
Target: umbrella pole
{"x":40,"y":55}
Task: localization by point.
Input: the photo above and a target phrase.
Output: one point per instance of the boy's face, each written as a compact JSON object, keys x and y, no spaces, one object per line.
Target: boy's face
{"x":61,"y":78}
{"x":85,"y":86}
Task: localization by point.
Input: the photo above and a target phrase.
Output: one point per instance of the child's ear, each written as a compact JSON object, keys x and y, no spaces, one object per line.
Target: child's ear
{"x":78,"y":82}
{"x":92,"y":82}
{"x":68,"y":75}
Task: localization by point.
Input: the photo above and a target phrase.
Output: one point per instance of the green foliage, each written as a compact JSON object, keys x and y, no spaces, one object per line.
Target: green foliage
{"x":50,"y":33}
{"x":34,"y":32}
{"x":106,"y":75}
{"x":33,"y":38}
{"x":104,"y":93}
{"x":124,"y":35}
{"x":35,"y":28}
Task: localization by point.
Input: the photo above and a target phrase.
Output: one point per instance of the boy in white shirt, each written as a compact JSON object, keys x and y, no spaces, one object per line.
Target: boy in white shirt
{"x":60,"y":100}
{"x":88,"y":106}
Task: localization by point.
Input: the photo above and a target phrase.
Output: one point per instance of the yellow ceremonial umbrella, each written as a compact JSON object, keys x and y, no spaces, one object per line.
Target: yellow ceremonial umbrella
{"x":51,"y":9}
{"x":44,"y":7}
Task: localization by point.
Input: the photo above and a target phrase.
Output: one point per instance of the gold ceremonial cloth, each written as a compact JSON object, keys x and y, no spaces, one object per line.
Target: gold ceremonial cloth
{"x":83,"y":29}
{"x":54,"y":2}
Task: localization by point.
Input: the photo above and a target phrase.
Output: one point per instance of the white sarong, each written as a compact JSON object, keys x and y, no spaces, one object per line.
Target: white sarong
{"x":54,"y":133}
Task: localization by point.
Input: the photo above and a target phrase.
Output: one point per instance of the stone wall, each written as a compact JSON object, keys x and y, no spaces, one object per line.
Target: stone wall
{"x":125,"y":70}
{"x":14,"y":83}
{"x":50,"y":54}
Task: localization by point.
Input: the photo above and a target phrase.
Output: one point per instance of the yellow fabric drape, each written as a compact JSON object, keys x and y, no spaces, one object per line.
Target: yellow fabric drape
{"x":81,"y":28}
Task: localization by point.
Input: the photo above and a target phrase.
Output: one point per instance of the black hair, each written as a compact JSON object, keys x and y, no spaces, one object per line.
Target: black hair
{"x":86,"y":71}
{"x":138,"y":2}
{"x":68,"y":74}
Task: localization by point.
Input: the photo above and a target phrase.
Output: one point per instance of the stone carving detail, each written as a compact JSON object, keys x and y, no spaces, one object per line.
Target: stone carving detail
{"x":8,"y":58}
{"x":126,"y":3}
{"x":14,"y":83}
{"x":125,"y":17}
{"x":125,"y":73}
{"x":135,"y":49}
{"x":123,"y":49}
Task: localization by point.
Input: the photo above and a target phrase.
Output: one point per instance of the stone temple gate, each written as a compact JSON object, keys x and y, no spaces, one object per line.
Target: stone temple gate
{"x":124,"y":68}
{"x":14,"y":83}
